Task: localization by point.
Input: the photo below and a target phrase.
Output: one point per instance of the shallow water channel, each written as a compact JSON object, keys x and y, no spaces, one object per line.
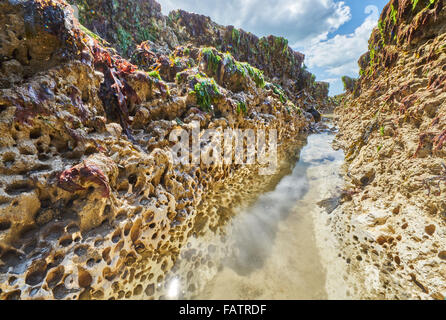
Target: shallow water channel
{"x":280,"y":247}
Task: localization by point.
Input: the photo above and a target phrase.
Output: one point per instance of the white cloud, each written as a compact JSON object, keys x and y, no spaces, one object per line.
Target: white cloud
{"x":307,"y":24}
{"x":330,"y":80}
{"x":339,"y":55}
{"x":300,"y":21}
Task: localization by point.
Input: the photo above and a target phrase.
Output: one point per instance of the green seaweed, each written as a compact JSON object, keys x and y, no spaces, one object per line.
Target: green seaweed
{"x":263,"y":43}
{"x":145,"y":34}
{"x":115,"y":4}
{"x":393,"y":14}
{"x":313,"y":79}
{"x":279,"y":91}
{"x":431,"y":2}
{"x":92,"y":34}
{"x":372,"y":55}
{"x":381,"y":31}
{"x":174,"y":60}
{"x":415,"y":3}
{"x":255,"y":74}
{"x":244,"y":69}
{"x":281,"y":43}
{"x":124,"y":38}
{"x":235,"y":37}
{"x":241,"y":107}
{"x":231,"y":64}
{"x":298,"y":109}
{"x":155,"y":74}
{"x":175,"y":15}
{"x":213,"y":60}
{"x":206,"y":91}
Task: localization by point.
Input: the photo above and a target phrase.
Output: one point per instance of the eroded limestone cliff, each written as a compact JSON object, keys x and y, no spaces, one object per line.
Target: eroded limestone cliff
{"x":392,"y":224}
{"x":90,"y":204}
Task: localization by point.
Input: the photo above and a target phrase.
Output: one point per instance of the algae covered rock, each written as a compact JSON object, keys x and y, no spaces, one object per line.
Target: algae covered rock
{"x":161,"y":35}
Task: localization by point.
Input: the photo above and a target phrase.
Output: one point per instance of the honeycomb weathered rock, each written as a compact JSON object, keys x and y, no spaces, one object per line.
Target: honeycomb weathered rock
{"x":91,"y":205}
{"x":392,"y":129}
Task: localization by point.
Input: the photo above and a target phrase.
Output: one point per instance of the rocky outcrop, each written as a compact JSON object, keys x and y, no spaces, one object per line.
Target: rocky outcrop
{"x":393,"y":132}
{"x":126,"y":24}
{"x":91,"y":204}
{"x":320,"y":92}
{"x":349,"y":84}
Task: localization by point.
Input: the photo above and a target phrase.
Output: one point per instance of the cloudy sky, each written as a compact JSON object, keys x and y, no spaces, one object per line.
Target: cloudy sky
{"x":332,"y":34}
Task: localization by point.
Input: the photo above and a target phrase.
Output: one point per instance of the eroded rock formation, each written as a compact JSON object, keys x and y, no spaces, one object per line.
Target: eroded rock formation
{"x":90,"y":204}
{"x":127,"y":23}
{"x":393,"y":129}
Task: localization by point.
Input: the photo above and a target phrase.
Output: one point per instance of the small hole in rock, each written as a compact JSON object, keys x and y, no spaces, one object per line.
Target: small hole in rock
{"x":19,"y":187}
{"x":72,"y":228}
{"x":35,"y":133}
{"x":80,"y":251}
{"x":15,"y":295}
{"x":5,"y":225}
{"x":90,"y":263}
{"x":90,"y":150}
{"x":121,"y":216}
{"x":132,"y":179}
{"x":66,"y":241}
{"x":12,"y":280}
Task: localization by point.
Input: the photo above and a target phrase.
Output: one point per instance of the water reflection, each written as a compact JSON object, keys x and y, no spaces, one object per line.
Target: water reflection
{"x":255,"y":229}
{"x":269,"y":249}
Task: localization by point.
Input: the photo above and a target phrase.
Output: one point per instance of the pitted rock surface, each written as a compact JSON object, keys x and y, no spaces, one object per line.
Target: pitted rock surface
{"x":392,"y":128}
{"x":91,"y":207}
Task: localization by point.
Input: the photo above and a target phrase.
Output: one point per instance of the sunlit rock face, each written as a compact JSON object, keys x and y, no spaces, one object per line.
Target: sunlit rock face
{"x":393,"y":129}
{"x":91,"y":205}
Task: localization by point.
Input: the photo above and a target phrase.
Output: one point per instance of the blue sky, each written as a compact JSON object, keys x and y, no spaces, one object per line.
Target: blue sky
{"x":332,"y":34}
{"x":351,"y":44}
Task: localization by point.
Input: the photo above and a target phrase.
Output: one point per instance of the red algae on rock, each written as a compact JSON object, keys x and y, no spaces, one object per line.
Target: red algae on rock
{"x":91,"y":205}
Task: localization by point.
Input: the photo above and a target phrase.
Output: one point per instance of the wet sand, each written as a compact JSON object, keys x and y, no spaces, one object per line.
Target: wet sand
{"x":281,"y":249}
